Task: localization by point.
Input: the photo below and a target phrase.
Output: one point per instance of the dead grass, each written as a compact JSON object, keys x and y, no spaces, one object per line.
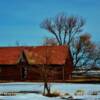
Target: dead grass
{"x":54,"y":94}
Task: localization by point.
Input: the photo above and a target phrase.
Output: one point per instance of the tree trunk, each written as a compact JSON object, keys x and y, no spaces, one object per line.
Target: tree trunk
{"x":46,"y":89}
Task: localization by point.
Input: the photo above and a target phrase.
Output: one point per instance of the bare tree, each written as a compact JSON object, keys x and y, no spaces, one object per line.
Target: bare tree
{"x":17,"y":43}
{"x":64,"y":28}
{"x":49,"y":41}
{"x":95,"y":56}
{"x":46,"y":72}
{"x":67,"y":30}
{"x":81,"y":49}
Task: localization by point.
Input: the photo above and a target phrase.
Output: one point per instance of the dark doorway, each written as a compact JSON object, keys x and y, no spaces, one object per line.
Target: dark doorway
{"x":24,"y":73}
{"x":23,"y":65}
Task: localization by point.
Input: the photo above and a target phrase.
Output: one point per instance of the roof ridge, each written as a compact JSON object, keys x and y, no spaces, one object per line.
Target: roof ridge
{"x":32,"y":46}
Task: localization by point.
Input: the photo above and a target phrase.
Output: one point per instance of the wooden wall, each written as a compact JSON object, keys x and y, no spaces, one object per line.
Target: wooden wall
{"x":9,"y":72}
{"x":13,"y":72}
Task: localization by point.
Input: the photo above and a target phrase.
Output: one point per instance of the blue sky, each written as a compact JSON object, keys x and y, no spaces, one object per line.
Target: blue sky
{"x":20,"y":19}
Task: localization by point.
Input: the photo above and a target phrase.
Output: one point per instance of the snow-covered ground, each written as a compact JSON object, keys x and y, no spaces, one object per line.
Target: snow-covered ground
{"x":58,"y":87}
{"x":28,"y":97}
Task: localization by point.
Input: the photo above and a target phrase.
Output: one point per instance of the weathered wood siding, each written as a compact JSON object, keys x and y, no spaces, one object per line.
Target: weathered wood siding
{"x":14,"y":72}
{"x":9,"y":72}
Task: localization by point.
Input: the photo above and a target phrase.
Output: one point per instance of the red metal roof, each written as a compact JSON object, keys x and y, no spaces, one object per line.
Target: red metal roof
{"x":35,"y":55}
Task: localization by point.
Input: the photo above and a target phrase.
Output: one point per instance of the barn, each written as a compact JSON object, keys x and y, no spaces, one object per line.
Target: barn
{"x":24,"y":63}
